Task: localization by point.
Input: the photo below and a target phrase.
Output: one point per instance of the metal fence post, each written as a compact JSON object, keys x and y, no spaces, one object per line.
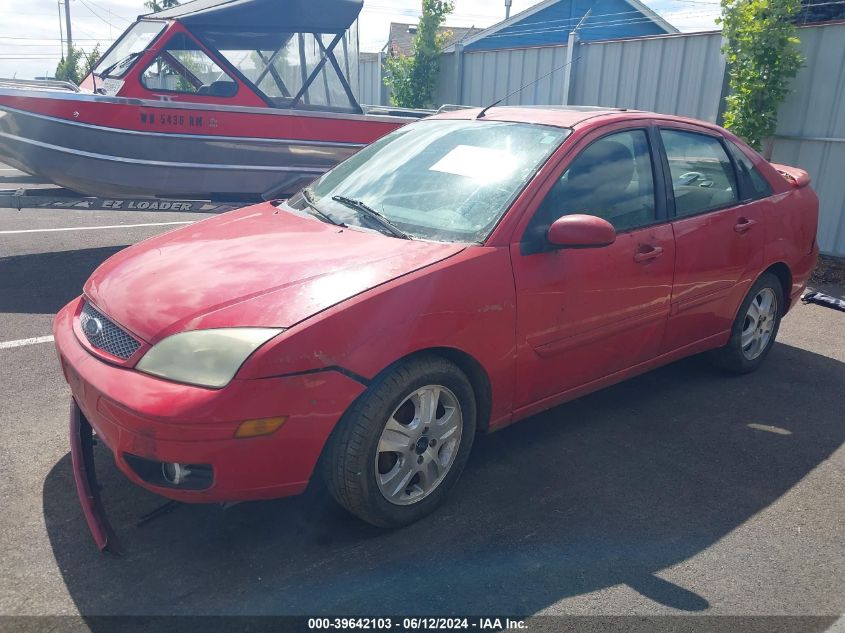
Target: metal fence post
{"x":382,"y":88}
{"x":724,"y":92}
{"x":459,"y":73}
{"x":571,"y":42}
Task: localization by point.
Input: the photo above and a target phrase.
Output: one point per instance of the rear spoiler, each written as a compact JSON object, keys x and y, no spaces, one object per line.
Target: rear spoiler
{"x":793,"y":175}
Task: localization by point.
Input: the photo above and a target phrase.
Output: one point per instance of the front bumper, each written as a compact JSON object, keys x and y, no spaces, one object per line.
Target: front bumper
{"x":139,"y":415}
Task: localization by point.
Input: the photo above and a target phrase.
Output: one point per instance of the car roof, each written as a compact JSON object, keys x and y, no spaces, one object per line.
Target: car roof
{"x":562,"y":116}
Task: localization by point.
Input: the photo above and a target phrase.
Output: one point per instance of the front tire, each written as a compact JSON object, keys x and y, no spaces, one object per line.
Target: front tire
{"x":754,"y":329}
{"x":403,"y":444}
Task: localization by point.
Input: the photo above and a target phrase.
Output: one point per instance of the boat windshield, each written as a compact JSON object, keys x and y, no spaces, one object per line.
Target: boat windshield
{"x":294,"y":69}
{"x":118,"y":60}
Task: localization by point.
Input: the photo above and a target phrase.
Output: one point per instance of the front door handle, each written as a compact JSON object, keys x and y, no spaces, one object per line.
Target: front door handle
{"x":647,"y":253}
{"x":743,"y":225}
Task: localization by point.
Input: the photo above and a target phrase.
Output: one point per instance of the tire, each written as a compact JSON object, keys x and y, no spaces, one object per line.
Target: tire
{"x":362,"y":474}
{"x":738,"y":356}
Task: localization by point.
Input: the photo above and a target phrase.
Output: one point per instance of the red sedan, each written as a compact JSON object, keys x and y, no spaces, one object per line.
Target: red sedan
{"x":460,"y":274}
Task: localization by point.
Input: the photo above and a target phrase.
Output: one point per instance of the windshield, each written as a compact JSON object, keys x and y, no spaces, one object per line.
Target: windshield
{"x":439,"y":179}
{"x":135,"y":41}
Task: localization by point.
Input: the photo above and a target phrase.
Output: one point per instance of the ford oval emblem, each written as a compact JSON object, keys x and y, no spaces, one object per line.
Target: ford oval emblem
{"x":93,"y":327}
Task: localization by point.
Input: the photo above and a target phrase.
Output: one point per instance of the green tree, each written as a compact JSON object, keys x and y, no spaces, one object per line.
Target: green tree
{"x":69,"y":68}
{"x":90,"y":60}
{"x":412,"y":78}
{"x":76,"y":66}
{"x":761,"y":48}
{"x":155,"y":6}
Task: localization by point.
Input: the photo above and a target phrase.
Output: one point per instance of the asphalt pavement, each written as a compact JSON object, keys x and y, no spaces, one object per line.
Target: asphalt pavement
{"x":683,"y":491}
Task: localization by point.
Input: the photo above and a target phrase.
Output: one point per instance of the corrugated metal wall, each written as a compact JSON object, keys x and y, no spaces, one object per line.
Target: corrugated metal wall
{"x":369,"y":80}
{"x":677,"y":74}
{"x":490,"y":75}
{"x":811,"y":128}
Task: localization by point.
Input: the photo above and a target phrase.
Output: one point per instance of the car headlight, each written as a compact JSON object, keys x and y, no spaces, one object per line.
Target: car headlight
{"x":208,"y":358}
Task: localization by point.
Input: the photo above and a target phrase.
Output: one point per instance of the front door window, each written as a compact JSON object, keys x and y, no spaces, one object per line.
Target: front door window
{"x":612,"y":179}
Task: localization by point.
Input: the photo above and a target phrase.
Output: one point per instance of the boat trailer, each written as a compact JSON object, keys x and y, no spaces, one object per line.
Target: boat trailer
{"x":57,"y":198}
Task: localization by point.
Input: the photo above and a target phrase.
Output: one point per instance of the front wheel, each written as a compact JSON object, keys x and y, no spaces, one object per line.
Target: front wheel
{"x":399,"y":449}
{"x":754,"y":329}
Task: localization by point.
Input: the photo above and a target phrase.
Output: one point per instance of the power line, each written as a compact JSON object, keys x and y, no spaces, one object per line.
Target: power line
{"x":97,"y":15}
{"x":111,"y":13}
{"x":599,"y":24}
{"x":50,"y":39}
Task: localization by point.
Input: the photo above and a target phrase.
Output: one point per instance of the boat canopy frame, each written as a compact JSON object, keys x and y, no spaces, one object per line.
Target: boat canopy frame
{"x":207,"y":20}
{"x":262,"y":28}
{"x":313,"y":16}
{"x":326,"y":56}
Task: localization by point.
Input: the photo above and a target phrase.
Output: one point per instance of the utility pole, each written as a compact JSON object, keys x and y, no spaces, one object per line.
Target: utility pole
{"x":508,"y":8}
{"x":61,"y":33}
{"x":67,"y":28}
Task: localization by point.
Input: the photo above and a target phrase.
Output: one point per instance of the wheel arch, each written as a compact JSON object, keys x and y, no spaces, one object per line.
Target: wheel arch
{"x":784,"y":275}
{"x":475,"y":372}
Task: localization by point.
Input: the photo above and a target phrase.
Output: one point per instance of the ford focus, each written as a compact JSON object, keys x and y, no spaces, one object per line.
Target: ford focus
{"x":458,"y":275}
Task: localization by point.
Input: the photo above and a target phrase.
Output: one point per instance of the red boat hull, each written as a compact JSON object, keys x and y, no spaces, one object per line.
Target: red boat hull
{"x":116,"y":146}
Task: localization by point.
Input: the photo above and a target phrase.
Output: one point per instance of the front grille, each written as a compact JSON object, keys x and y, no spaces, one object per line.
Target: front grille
{"x":105,"y":334}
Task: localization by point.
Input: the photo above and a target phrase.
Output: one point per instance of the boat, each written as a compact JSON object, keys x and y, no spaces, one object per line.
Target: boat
{"x":216,"y":99}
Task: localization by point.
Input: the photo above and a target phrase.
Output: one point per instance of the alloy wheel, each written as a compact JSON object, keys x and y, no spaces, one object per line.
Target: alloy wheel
{"x":418,"y":445}
{"x":759,"y":323}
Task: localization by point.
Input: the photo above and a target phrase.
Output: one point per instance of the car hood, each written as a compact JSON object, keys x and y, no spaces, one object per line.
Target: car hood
{"x":257,"y":266}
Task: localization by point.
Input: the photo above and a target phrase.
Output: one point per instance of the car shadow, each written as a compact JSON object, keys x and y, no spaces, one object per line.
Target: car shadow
{"x":607,"y":490}
{"x":41,"y":283}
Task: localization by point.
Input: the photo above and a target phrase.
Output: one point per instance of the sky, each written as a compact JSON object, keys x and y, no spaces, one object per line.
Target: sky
{"x":29,"y":29}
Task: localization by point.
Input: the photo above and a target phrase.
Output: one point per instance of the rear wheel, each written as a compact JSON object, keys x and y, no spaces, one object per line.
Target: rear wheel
{"x":403,"y":444}
{"x":754,"y":329}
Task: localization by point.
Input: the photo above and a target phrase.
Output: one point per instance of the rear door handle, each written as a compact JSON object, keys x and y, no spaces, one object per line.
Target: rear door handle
{"x":743,"y":225}
{"x":647,"y":253}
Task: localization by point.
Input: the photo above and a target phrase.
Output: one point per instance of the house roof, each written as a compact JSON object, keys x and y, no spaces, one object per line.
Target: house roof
{"x":401,"y":40}
{"x":540,"y":6}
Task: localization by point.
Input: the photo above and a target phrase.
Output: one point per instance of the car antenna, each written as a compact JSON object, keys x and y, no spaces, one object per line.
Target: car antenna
{"x":570,"y":43}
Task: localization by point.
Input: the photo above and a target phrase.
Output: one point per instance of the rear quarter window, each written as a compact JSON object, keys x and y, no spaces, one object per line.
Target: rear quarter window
{"x":753,"y":185}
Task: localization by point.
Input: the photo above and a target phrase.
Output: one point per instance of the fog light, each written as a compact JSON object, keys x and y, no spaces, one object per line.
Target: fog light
{"x":256,"y":428}
{"x":173,"y":473}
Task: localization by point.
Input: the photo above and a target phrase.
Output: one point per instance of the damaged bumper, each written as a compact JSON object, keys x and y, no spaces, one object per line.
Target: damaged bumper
{"x":85,"y":477}
{"x":149,"y":424}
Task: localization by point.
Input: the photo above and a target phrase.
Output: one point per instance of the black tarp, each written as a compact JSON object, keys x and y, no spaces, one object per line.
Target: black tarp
{"x":319,"y":16}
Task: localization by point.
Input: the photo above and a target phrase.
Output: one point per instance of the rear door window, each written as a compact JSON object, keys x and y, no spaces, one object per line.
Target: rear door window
{"x":703,"y":177}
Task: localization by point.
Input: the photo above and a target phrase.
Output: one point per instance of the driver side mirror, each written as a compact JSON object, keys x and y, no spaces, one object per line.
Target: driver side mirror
{"x":581,"y":231}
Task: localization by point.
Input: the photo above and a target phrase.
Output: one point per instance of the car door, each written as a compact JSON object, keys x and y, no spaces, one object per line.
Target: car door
{"x":719,"y":235}
{"x":583,"y":314}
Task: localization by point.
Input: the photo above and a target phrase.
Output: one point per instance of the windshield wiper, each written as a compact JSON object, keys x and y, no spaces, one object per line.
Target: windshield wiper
{"x":373,"y":214}
{"x":120,"y":62}
{"x":308,"y":196}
